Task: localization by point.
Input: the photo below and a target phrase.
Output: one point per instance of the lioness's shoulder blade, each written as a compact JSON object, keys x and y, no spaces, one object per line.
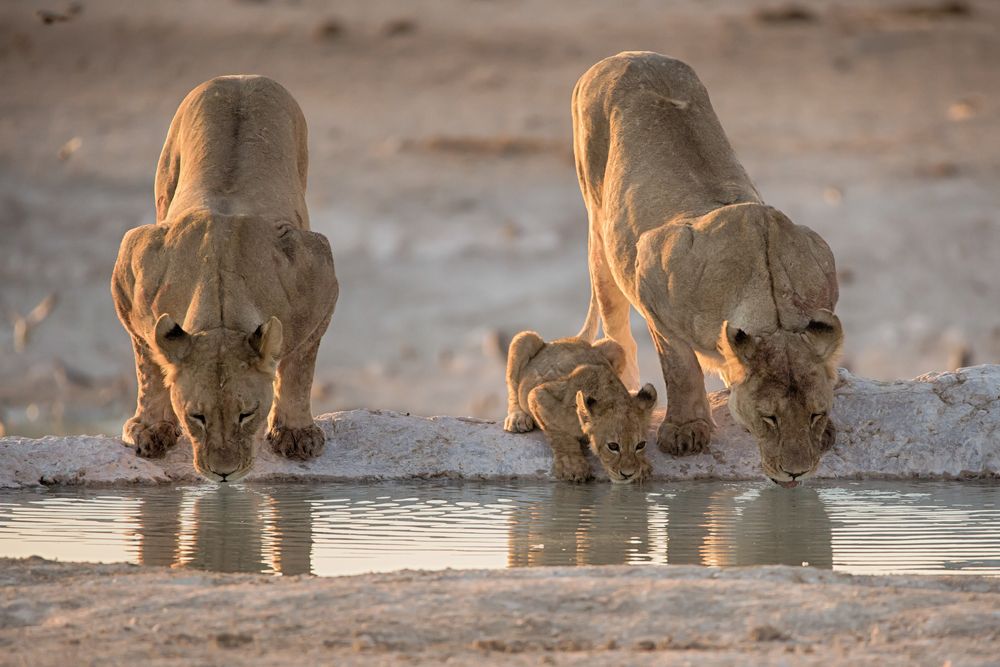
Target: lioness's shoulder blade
{"x":139,"y":247}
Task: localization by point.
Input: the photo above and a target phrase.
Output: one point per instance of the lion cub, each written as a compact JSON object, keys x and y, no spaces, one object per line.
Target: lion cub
{"x":572,"y":390}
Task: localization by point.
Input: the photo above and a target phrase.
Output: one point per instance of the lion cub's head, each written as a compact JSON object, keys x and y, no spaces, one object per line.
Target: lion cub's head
{"x":615,"y":423}
{"x":221,"y":388}
{"x":781,"y":390}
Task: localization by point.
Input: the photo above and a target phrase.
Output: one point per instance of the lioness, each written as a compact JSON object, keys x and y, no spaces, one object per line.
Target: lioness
{"x":724,"y":282}
{"x":572,"y":391}
{"x":226,"y":297}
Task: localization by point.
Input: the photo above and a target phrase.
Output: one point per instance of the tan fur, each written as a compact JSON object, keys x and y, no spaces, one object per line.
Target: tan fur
{"x":226,"y":297}
{"x":678,"y":232}
{"x":572,"y":391}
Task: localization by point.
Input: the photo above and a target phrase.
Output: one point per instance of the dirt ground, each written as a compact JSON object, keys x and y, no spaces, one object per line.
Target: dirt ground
{"x":57,"y":614}
{"x":441,"y":171}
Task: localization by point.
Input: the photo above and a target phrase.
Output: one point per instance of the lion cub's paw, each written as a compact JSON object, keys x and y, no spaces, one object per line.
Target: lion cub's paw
{"x":571,"y":468}
{"x":151,"y":441}
{"x":296,"y":443}
{"x":518,"y":422}
{"x":644,"y":471}
{"x":684,"y":439}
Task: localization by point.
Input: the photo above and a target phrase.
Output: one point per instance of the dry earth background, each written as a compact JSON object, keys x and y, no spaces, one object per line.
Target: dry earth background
{"x":441,"y":171}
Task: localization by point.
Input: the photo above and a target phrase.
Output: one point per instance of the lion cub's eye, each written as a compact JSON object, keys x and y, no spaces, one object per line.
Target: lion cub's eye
{"x":613,"y":446}
{"x":817,"y":416}
{"x":247,"y":415}
{"x":198,"y":418}
{"x":770,"y":420}
{"x":641,"y":446}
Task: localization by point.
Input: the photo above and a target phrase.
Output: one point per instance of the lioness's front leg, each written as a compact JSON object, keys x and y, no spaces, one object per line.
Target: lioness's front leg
{"x":552,"y":416}
{"x":292,"y":431}
{"x":154,"y":428}
{"x":523,"y":348}
{"x":687,"y":428}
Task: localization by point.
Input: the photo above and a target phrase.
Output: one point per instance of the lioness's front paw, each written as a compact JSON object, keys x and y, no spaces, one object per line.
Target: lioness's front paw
{"x":151,"y":441}
{"x":296,"y":443}
{"x":683,"y":439}
{"x":571,"y":468}
{"x":518,"y":422}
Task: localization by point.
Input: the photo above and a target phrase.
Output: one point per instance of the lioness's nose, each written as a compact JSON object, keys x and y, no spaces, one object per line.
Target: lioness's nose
{"x":793,"y":475}
{"x":224,"y":463}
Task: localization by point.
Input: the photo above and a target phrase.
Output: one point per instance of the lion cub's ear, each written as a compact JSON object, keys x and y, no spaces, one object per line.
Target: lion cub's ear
{"x":170,"y":340}
{"x":266,"y":344}
{"x":645,"y":398}
{"x":585,"y":408}
{"x":614,"y":353}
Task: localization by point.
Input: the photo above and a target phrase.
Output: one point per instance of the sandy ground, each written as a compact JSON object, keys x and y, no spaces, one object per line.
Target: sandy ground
{"x":61,"y":613}
{"x":441,"y":171}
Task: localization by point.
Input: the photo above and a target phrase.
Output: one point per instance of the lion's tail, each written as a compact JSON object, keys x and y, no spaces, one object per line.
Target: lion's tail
{"x":590,"y":326}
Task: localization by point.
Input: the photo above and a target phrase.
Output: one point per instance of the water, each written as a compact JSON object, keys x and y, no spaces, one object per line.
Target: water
{"x":334,"y":529}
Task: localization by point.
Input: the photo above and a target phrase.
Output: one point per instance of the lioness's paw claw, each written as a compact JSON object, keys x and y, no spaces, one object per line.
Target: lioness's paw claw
{"x":151,"y":441}
{"x":518,"y":422}
{"x":571,"y":469}
{"x":683,"y":439}
{"x":296,"y":443}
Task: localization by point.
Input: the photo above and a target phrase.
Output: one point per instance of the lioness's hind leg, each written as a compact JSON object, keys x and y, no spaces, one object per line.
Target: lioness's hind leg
{"x":687,"y":428}
{"x":523,"y":348}
{"x":153,"y":429}
{"x":292,"y":432}
{"x":615,"y":310}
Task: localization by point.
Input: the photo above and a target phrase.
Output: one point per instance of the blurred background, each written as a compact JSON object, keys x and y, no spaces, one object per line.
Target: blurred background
{"x":441,"y":170}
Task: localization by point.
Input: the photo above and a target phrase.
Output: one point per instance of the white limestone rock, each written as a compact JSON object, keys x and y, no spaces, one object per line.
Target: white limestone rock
{"x":942,"y":425}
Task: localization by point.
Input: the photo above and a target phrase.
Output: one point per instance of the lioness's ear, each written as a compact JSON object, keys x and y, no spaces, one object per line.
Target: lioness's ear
{"x":646,"y":397}
{"x":266,"y":343}
{"x":825,"y":334}
{"x":171,"y":341}
{"x":736,"y":346}
{"x":585,"y":407}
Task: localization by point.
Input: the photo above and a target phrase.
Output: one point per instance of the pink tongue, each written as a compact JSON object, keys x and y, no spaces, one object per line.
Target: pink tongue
{"x":790,"y":484}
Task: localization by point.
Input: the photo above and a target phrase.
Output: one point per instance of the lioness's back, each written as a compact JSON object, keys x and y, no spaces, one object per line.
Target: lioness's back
{"x":646,"y":119}
{"x":236,"y":143}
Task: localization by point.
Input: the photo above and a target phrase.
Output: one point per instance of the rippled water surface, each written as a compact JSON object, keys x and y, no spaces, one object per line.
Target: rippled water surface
{"x":861,"y":527}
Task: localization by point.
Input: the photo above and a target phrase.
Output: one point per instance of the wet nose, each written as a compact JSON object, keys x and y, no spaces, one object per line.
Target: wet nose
{"x":626,"y":475}
{"x":224,"y":464}
{"x":793,"y":475}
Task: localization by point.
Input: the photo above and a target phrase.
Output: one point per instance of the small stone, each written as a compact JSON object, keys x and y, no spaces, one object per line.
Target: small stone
{"x":69,"y":148}
{"x":329,"y":29}
{"x":233,"y":640}
{"x":962,"y":110}
{"x":400,"y":26}
{"x":767,"y":633}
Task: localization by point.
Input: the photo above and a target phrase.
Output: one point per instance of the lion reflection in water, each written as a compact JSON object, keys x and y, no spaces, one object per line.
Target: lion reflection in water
{"x":700,"y":525}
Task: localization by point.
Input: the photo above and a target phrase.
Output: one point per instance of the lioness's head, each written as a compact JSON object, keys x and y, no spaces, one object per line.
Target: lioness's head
{"x":781,"y":390}
{"x":615,"y":424}
{"x":221,"y":388}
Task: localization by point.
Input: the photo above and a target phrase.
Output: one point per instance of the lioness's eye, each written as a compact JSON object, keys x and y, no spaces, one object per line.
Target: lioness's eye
{"x":247,"y":415}
{"x":198,"y":418}
{"x":613,"y":446}
{"x":641,"y":446}
{"x":817,"y":416}
{"x":770,"y":420}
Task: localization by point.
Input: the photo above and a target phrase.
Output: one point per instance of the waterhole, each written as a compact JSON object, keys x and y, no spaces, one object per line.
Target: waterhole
{"x":336,"y":529}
